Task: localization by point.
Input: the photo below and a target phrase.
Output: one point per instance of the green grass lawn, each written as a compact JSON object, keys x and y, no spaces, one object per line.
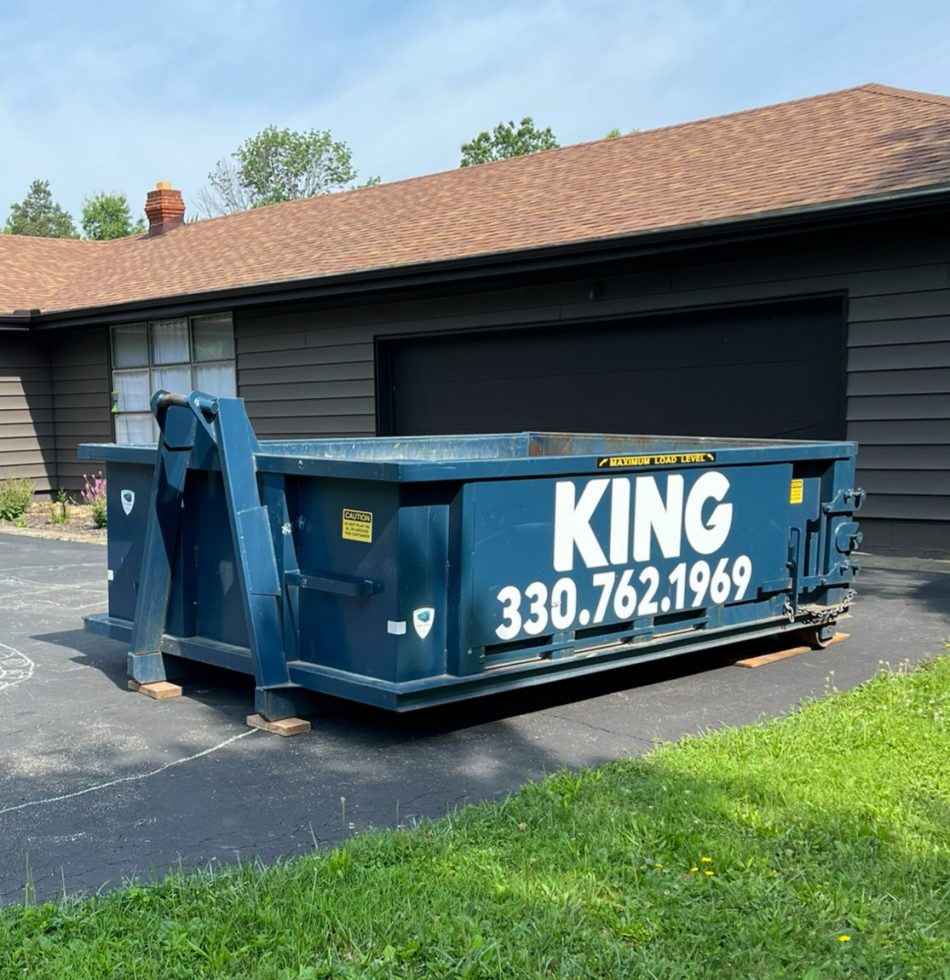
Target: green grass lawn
{"x":814,"y":846}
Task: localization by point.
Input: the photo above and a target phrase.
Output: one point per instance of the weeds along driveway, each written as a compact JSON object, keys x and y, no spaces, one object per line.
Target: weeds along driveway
{"x":98,"y":785}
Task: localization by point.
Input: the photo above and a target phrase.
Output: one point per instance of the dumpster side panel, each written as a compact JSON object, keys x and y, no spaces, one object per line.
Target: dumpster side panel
{"x":551,"y":558}
{"x":348,"y":531}
{"x":424,"y":530}
{"x":210,"y":583}
{"x":128,"y":488}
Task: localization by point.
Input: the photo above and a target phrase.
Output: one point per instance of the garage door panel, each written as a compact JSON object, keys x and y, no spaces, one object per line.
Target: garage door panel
{"x":772,"y":372}
{"x":679,"y":403}
{"x":629,"y":347}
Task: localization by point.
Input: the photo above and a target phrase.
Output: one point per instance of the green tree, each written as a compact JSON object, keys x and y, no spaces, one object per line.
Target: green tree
{"x":38,"y":214}
{"x":106,"y":216}
{"x":508,"y":140}
{"x":278,"y":165}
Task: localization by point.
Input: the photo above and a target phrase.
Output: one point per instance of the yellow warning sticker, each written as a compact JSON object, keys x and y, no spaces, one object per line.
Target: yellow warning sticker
{"x":655,"y":459}
{"x":358,"y":525}
{"x":796,"y":491}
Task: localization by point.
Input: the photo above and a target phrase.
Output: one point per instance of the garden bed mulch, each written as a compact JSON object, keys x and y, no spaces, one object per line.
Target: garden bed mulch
{"x":37,"y":522}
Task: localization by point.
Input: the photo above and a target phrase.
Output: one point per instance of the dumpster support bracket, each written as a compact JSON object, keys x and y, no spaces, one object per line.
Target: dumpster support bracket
{"x":225,"y":423}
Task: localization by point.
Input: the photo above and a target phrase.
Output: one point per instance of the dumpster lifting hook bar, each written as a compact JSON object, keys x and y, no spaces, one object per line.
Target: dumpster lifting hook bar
{"x":226,"y":425}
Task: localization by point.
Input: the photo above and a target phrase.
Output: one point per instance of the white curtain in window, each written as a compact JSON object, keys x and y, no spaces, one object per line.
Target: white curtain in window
{"x":216,"y":379}
{"x":134,"y":429}
{"x":213,"y":337}
{"x":175,"y":379}
{"x":132,"y":390}
{"x":130,"y":346}
{"x":170,"y":342}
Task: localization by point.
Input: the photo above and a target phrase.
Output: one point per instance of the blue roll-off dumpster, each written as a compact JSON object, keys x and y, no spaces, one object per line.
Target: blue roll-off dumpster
{"x":405,"y":572}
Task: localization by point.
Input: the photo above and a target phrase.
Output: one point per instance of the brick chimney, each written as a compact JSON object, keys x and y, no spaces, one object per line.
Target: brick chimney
{"x":164,"y":209}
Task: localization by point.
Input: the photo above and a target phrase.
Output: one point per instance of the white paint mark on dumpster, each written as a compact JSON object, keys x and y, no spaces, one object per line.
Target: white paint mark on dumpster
{"x":15,"y":667}
{"x":396,"y":627}
{"x":127,"y":779}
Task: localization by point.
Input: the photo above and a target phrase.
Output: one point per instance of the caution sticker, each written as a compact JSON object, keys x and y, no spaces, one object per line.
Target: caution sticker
{"x":655,"y":459}
{"x":358,"y":525}
{"x":796,"y":491}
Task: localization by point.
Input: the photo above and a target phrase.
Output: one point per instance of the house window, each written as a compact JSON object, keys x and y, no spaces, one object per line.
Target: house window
{"x":178,"y":355}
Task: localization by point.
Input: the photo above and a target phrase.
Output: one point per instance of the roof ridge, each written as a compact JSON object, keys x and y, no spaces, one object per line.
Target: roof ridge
{"x":910,"y":94}
{"x":51,"y":238}
{"x":638,"y":133}
{"x":521,"y":160}
{"x":726,"y":115}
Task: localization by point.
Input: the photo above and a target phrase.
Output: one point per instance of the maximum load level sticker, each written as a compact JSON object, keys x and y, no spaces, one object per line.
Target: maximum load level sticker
{"x":358,"y":525}
{"x":655,"y":459}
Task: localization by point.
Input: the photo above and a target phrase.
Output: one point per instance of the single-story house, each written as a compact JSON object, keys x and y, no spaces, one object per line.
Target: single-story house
{"x":783,"y":271}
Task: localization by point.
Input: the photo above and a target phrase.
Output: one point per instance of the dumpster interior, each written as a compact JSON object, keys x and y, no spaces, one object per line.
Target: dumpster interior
{"x":517,"y":445}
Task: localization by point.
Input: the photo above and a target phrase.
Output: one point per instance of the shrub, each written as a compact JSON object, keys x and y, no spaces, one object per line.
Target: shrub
{"x":16,"y":497}
{"x":94,"y":497}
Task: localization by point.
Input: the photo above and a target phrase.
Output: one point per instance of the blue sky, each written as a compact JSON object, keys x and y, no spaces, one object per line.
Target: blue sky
{"x":115,"y":96}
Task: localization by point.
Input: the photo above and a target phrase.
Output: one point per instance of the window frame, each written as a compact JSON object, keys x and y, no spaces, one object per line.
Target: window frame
{"x":153,"y":367}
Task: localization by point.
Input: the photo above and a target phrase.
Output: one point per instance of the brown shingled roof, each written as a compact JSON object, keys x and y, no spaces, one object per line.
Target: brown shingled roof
{"x":859,"y":143}
{"x":33,"y":270}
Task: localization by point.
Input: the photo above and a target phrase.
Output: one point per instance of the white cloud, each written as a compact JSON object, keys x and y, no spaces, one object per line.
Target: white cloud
{"x":582,"y":69}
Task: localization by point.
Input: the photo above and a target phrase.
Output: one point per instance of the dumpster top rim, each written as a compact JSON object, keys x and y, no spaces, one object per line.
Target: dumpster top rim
{"x":496,"y":455}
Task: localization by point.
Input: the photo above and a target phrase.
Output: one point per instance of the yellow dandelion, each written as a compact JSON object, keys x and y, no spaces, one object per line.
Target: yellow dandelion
{"x":708,"y":873}
{"x":657,"y":865}
{"x":706,"y":860}
{"x":693,"y":871}
{"x":844,"y":938}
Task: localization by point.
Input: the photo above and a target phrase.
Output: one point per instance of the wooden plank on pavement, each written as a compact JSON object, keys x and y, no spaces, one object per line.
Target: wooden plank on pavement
{"x":282,"y":726}
{"x":160,"y":690}
{"x":770,"y":658}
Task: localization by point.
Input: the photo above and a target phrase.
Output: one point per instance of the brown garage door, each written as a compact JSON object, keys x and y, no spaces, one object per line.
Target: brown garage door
{"x":768,"y":371}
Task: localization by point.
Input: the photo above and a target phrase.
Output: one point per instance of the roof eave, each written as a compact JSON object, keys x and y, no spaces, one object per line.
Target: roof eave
{"x":389,"y":278}
{"x":17,"y":320}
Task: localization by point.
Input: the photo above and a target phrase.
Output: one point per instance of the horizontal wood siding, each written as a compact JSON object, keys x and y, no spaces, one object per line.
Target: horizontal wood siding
{"x":79,"y":368}
{"x":899,"y":402}
{"x":312,"y":373}
{"x":301,"y":382}
{"x":27,"y":444}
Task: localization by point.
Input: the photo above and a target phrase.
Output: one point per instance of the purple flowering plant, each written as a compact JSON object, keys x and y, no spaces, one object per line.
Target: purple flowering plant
{"x":93,"y":496}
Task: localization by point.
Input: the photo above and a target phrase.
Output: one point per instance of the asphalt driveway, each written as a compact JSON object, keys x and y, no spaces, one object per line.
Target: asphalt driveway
{"x":98,"y":785}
